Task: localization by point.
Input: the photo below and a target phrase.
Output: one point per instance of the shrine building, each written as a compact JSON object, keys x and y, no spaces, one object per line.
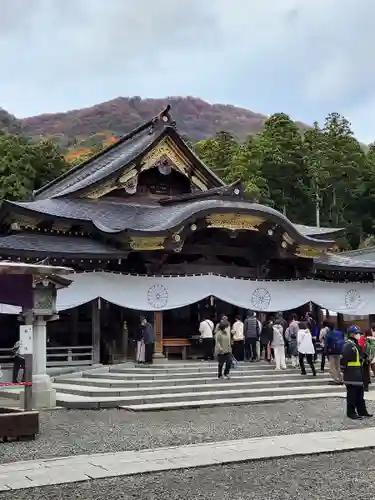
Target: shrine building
{"x":149,"y":228}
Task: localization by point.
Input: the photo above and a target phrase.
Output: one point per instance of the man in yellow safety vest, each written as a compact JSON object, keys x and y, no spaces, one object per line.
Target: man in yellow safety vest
{"x":352,"y":366}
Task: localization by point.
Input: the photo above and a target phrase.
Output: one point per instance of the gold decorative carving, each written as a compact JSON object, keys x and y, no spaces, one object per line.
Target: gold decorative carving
{"x":234,"y":221}
{"x":26,"y":222}
{"x":127,"y":175}
{"x":288,"y":239}
{"x":198,"y":183}
{"x":308,"y":252}
{"x":101,"y":190}
{"x":143,"y":243}
{"x":164,"y":149}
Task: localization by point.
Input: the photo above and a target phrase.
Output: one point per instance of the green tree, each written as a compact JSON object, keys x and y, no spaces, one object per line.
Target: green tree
{"x":280,"y":153}
{"x":318,"y":176}
{"x":346,"y":161}
{"x":217,"y":153}
{"x":246,"y":167}
{"x":25,"y":166}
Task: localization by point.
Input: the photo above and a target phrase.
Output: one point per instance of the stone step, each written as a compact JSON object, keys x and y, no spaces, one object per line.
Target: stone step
{"x":134,"y":375}
{"x":184,"y":405}
{"x":215,"y":385}
{"x":126,"y":383}
{"x":128,"y":399}
{"x":196,"y":368}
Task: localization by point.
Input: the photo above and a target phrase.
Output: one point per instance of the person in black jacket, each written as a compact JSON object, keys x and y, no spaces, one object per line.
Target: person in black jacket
{"x":351,"y":363}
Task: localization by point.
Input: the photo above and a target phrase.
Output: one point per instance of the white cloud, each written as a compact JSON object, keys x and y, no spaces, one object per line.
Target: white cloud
{"x":304,"y":57}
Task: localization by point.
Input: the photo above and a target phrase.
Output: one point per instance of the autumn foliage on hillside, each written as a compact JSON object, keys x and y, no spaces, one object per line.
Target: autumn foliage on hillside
{"x":196,"y":119}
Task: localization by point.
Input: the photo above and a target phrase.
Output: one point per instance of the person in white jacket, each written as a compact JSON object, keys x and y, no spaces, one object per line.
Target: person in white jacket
{"x":305,"y":348}
{"x":278,"y":345}
{"x":206,"y":329}
{"x":238,"y":339}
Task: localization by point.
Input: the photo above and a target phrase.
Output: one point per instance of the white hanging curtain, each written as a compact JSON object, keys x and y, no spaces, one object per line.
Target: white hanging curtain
{"x":162,"y":293}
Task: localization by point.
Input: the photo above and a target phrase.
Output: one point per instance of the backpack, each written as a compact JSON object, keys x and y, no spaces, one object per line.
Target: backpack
{"x":336,"y":342}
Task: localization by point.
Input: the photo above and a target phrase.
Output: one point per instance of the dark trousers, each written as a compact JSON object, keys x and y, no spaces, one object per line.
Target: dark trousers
{"x":355,"y":401}
{"x":264,"y":347}
{"x":251,"y":349}
{"x":238,"y":350}
{"x":208,"y":349}
{"x":315,"y":355}
{"x":149,"y":353}
{"x":18,"y":364}
{"x":323,"y":362}
{"x":224,"y":359}
{"x":310,"y":361}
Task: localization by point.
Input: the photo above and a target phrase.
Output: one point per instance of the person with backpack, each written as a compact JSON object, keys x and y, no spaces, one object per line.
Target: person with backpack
{"x":334,"y":342}
{"x":251,"y":332}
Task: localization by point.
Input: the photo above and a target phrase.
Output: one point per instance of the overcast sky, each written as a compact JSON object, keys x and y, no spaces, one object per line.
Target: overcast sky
{"x":303,"y":57}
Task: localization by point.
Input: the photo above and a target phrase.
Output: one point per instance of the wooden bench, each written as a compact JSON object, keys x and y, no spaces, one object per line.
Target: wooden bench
{"x":176,"y":345}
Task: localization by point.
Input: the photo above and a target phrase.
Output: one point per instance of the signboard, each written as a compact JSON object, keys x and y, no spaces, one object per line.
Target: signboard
{"x":26,"y":339}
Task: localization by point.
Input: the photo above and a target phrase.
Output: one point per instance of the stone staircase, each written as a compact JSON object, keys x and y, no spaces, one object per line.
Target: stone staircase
{"x":175,"y":385}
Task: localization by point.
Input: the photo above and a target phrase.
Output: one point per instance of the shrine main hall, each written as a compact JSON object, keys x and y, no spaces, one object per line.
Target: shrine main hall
{"x":149,"y":229}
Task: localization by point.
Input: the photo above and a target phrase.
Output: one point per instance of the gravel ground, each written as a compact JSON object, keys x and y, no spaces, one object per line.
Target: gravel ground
{"x":343,"y":476}
{"x":72,"y":432}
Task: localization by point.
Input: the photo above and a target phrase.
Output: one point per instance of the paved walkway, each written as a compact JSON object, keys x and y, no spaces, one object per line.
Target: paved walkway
{"x":35,"y":473}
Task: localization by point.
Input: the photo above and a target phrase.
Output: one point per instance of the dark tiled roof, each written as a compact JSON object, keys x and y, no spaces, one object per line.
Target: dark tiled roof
{"x":317,"y":231}
{"x":50,"y":245}
{"x":115,"y":217}
{"x":357,"y":260}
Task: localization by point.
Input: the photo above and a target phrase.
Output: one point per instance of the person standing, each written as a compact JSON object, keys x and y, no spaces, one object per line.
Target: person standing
{"x":223,"y":349}
{"x":312,"y":326}
{"x":279,"y":345}
{"x":305,"y":348}
{"x":322,"y":335}
{"x":352,"y":364}
{"x":140,"y":348}
{"x":238,"y":339}
{"x":206,"y":329}
{"x":18,"y":364}
{"x":333,"y":346}
{"x":251,"y":333}
{"x":148,"y":335}
{"x":291,"y":335}
{"x":266,"y":337}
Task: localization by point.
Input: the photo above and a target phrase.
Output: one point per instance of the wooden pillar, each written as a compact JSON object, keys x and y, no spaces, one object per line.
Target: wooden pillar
{"x":95,"y":330}
{"x":158,"y":327}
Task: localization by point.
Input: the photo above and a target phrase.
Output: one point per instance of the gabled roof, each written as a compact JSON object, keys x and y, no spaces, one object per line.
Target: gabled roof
{"x":111,"y":161}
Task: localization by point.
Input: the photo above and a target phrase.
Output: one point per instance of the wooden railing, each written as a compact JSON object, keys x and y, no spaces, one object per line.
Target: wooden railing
{"x":57,"y":356}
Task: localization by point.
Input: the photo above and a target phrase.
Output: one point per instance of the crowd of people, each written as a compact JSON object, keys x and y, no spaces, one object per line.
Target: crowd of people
{"x":252,"y":341}
{"x":351,"y":355}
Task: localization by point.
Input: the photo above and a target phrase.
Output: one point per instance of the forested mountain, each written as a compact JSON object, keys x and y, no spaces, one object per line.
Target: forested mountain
{"x":196,"y":119}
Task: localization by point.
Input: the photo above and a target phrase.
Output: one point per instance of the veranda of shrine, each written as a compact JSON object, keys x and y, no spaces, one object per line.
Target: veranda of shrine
{"x":148,"y":206}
